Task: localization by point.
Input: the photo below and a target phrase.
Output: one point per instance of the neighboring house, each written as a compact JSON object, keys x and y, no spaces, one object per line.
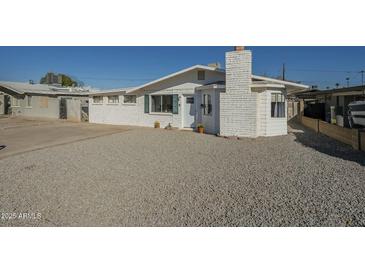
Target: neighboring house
{"x":44,"y":101}
{"x":230,"y":102}
{"x":319,"y":103}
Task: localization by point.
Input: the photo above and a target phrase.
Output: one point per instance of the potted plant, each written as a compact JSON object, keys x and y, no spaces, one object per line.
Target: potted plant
{"x":200,"y":128}
{"x":157,"y":124}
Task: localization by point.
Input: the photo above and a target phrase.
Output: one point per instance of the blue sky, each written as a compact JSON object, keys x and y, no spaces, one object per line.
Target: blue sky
{"x":112,"y":67}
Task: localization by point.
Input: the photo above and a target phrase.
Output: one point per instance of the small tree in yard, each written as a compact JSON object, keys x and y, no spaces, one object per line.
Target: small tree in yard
{"x":61,"y":79}
{"x":67,"y":81}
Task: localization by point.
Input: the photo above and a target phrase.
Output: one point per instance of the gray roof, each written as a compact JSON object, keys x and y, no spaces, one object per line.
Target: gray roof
{"x":315,"y":92}
{"x":26,"y":88}
{"x":110,"y":91}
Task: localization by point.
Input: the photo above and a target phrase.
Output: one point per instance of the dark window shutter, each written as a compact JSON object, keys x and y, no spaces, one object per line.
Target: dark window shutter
{"x":146,"y":104}
{"x":175,"y":104}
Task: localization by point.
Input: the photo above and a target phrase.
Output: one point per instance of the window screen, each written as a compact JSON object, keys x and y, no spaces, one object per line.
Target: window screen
{"x":277,"y":105}
{"x":201,"y":75}
{"x":130,"y":99}
{"x":207,"y":100}
{"x":162,"y":103}
{"x":113,"y":99}
{"x":98,"y":99}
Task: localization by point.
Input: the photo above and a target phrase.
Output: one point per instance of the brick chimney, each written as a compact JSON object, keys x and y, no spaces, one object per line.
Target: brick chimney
{"x":238,"y":70}
{"x":238,"y":106}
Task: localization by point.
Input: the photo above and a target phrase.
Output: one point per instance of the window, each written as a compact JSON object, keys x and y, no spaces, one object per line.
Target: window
{"x":201,"y":75}
{"x":162,"y":103}
{"x":28,"y":101}
{"x":98,"y":99}
{"x":207,"y":104}
{"x":130,"y":99}
{"x":114,"y":99}
{"x":43,"y":103}
{"x":190,"y":100}
{"x":277,"y":105}
{"x":15,"y":102}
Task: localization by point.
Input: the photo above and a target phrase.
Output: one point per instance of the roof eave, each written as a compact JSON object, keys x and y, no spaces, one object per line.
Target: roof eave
{"x":175,"y":74}
{"x":283,"y":82}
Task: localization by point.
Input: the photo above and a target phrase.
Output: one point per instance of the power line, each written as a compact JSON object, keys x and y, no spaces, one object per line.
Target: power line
{"x":321,"y":70}
{"x":117,"y":79}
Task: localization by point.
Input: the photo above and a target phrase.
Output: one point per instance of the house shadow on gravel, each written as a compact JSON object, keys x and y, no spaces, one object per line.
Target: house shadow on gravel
{"x":325,"y":144}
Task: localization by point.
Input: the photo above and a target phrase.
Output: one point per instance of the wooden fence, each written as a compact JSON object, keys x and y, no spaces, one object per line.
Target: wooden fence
{"x":352,"y":137}
{"x":310,"y":123}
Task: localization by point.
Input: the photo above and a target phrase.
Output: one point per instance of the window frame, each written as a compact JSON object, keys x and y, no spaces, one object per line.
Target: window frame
{"x":282,"y":114}
{"x":153,"y":111}
{"x":98,"y":103}
{"x":116,"y":101}
{"x":130,"y":103}
{"x":15,"y":99}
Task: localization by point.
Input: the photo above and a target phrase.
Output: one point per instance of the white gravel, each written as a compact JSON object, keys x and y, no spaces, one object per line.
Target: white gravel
{"x":148,"y":177}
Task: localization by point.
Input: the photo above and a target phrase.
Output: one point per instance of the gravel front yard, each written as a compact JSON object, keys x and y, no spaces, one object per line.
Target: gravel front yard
{"x":147,"y":177}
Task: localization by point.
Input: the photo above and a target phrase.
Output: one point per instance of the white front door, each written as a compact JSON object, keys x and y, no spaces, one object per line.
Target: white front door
{"x":189,"y":111}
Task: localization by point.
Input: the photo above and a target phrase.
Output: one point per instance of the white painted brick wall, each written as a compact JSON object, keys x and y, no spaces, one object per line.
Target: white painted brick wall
{"x":121,"y":114}
{"x":263,"y":111}
{"x":275,"y":126}
{"x":238,"y":105}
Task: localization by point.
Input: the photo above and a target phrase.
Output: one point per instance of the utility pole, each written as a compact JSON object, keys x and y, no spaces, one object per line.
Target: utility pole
{"x":362,"y":77}
{"x":283,"y":72}
{"x":348,"y":81}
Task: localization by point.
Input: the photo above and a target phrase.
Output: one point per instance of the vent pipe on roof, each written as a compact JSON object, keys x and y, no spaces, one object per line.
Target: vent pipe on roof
{"x":215,"y":65}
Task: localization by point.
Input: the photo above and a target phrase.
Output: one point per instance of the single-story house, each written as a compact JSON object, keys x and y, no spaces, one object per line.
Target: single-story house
{"x":3,"y":105}
{"x":43,"y":101}
{"x":228,"y":102}
{"x":331,"y":105}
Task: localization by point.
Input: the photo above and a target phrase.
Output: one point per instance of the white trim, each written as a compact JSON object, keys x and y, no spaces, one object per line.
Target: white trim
{"x":287,"y":83}
{"x":209,"y":87}
{"x":161,"y":113}
{"x":267,"y":86}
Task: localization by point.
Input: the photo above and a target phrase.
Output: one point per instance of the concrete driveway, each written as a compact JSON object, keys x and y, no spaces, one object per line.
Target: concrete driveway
{"x":19,"y":135}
